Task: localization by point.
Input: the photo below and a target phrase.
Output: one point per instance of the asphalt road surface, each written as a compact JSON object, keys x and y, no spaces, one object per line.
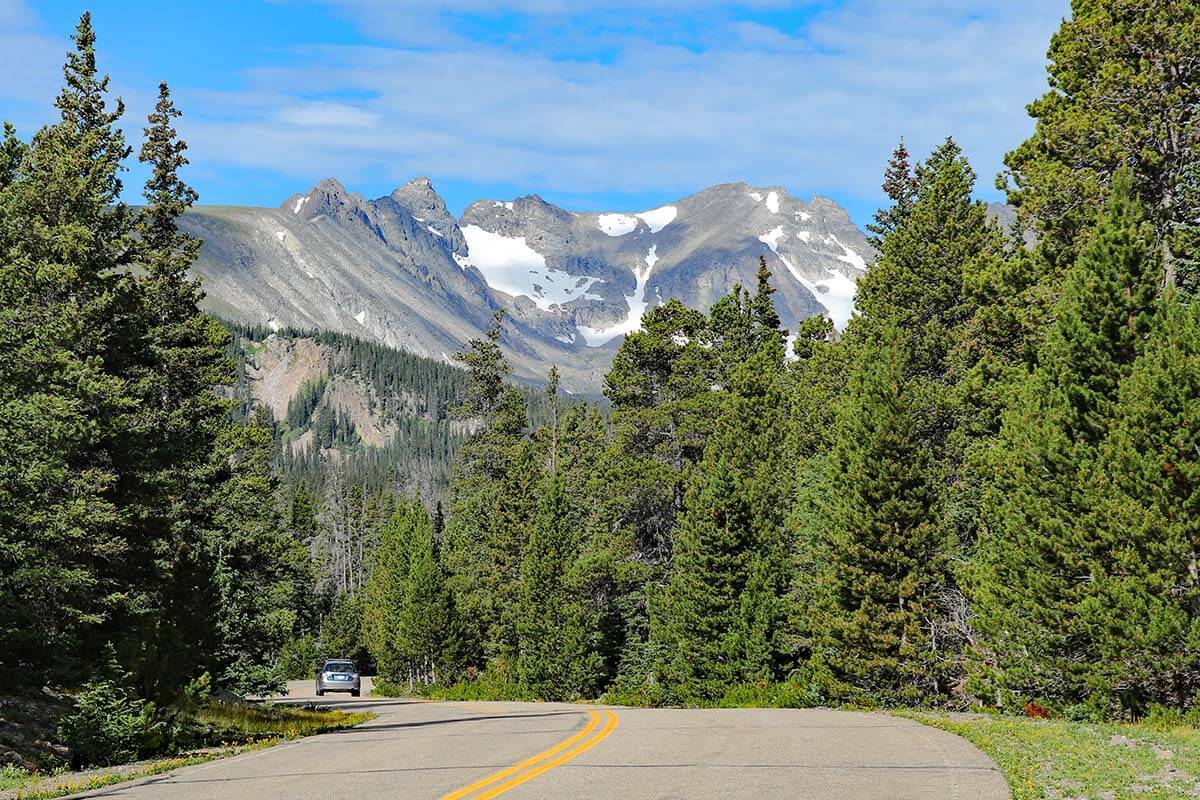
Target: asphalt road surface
{"x":536,"y":751}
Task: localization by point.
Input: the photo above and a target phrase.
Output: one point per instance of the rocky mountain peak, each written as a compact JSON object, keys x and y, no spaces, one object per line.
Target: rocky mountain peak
{"x":421,"y":200}
{"x":401,"y":269}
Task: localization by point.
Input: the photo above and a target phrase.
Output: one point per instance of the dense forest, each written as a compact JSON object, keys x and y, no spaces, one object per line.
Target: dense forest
{"x":984,"y":492}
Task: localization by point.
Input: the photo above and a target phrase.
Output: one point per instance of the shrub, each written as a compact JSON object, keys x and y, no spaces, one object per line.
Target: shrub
{"x":110,"y":725}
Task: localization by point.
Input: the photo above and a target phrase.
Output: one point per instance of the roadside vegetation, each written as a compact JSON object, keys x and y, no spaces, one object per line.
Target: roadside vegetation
{"x":1155,"y":759}
{"x":113,"y":742}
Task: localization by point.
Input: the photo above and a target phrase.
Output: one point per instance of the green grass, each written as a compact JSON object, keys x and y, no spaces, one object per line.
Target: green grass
{"x":245,"y":721}
{"x":14,"y":777}
{"x":1083,"y":760}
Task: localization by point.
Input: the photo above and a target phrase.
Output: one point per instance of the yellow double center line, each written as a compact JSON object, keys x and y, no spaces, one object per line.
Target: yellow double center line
{"x":546,"y":760}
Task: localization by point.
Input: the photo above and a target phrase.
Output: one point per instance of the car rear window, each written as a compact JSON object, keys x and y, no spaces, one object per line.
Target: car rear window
{"x":339,"y":666}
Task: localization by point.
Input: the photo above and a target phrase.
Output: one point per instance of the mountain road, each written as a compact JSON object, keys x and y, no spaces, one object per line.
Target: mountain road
{"x":545,"y":751}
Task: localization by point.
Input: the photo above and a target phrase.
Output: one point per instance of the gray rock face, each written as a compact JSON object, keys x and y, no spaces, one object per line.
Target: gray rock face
{"x":402,"y":270}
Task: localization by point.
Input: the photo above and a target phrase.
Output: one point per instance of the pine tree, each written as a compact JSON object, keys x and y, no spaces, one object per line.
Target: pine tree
{"x":900,"y":186}
{"x":918,"y":279}
{"x":766,"y":316}
{"x":721,"y":614}
{"x":12,"y":152}
{"x":385,"y":595}
{"x":932,"y":242}
{"x":169,"y":438}
{"x":1124,"y":92}
{"x":881,"y":556}
{"x":1184,"y":241}
{"x":1141,"y":615}
{"x":1038,"y":551}
{"x":428,"y":628}
{"x":554,"y":645}
{"x":261,"y":571}
{"x":490,"y":496}
{"x":65,"y":303}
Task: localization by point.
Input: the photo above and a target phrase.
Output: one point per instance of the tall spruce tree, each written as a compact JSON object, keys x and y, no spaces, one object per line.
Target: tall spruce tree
{"x":1185,"y":232}
{"x":663,"y":412}
{"x":65,"y":305}
{"x":939,"y":230}
{"x":385,"y":593}
{"x":1039,"y":554}
{"x":1142,"y":613}
{"x":555,"y":645}
{"x":173,"y":431}
{"x":900,"y":186}
{"x":490,"y":495}
{"x":721,"y":614}
{"x":428,"y":631}
{"x":880,"y":553}
{"x":261,"y":571}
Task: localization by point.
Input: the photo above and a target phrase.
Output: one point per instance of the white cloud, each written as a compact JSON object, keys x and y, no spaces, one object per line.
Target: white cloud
{"x":596,"y":96}
{"x":327,"y":115}
{"x":818,"y":108}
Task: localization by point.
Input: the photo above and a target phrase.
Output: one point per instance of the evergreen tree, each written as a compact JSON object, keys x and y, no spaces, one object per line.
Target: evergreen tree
{"x":261,"y":571}
{"x":900,"y":186}
{"x":722,"y":613}
{"x":171,"y":435}
{"x":1124,"y":92}
{"x":554,"y":644}
{"x":490,"y":496}
{"x":428,"y":629}
{"x":660,"y":385}
{"x":65,"y":302}
{"x":918,"y":279}
{"x":385,"y":595}
{"x":881,"y":557}
{"x":1185,"y":230}
{"x":1038,"y":556}
{"x":12,"y":152}
{"x":1141,"y":614}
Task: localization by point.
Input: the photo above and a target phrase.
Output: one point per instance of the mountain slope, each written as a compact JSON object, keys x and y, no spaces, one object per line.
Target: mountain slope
{"x":403,"y":271}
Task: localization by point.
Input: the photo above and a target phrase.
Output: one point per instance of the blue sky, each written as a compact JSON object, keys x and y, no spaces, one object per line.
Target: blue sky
{"x":593,"y":104}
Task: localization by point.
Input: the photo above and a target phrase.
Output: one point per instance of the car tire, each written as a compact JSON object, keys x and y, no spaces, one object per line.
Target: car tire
{"x":320,"y":692}
{"x":354,"y":693}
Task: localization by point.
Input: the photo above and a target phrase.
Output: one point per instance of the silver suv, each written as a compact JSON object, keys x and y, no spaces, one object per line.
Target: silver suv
{"x":338,"y":675}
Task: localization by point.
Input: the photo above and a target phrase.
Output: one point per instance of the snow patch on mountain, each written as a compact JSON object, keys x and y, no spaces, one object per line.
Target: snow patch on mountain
{"x":652,"y":255}
{"x":850,"y":256}
{"x":512,"y":266}
{"x":361,"y":317}
{"x":771,"y":239}
{"x":434,"y":231}
{"x":835,"y":292}
{"x":773,"y":202}
{"x":637,"y":307}
{"x":659,"y":218}
{"x":300,"y":204}
{"x":616,"y":224}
